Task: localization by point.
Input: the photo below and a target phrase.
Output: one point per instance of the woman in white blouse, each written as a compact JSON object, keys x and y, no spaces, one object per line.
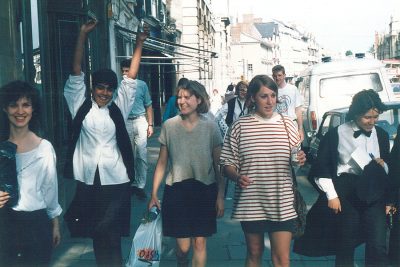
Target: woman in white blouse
{"x":32,"y":224}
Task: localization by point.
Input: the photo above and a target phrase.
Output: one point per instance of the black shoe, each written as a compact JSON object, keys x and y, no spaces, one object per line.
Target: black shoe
{"x":139,"y":192}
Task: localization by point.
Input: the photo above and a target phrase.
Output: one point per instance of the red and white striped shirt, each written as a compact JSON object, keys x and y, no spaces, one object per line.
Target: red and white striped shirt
{"x":259,"y":148}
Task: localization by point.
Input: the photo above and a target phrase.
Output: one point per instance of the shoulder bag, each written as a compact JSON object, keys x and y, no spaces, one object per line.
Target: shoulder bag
{"x":298,"y":203}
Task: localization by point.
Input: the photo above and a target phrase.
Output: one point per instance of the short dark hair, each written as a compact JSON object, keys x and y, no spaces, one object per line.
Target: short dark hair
{"x":199,"y":91}
{"x":182,"y":82}
{"x":255,"y":85}
{"x":15,"y":90}
{"x":125,"y":63}
{"x":230,"y":88}
{"x":278,"y":68}
{"x":364,"y":101}
{"x":105,"y":76}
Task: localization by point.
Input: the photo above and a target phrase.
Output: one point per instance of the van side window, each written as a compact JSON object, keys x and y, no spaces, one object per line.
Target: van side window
{"x":349,"y":85}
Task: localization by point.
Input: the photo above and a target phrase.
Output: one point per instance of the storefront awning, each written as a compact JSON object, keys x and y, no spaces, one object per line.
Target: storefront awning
{"x":172,"y":53}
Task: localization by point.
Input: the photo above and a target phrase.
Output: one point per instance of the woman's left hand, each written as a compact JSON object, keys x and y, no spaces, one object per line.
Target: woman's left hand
{"x":380,"y":162}
{"x":220,"y":207}
{"x":301,"y":157}
{"x":142,"y":36}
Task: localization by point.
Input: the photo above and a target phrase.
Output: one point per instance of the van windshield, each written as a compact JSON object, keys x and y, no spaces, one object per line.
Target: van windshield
{"x":349,"y":85}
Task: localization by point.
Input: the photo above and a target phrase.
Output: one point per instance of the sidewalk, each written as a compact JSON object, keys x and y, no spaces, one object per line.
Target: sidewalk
{"x":226,"y":248}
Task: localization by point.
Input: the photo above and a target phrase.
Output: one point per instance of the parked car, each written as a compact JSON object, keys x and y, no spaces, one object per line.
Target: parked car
{"x":388,"y":120}
{"x":332,"y":84}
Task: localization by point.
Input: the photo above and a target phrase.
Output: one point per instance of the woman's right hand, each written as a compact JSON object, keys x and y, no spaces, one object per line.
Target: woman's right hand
{"x":154,"y":202}
{"x":244,"y":181}
{"x":4,"y":197}
{"x":334,"y":205}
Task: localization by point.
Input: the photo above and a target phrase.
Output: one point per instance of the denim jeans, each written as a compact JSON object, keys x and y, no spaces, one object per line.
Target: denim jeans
{"x":137,"y":130}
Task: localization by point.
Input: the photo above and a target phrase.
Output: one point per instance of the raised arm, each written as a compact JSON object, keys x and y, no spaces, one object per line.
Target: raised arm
{"x":80,"y":44}
{"x":137,"y":53}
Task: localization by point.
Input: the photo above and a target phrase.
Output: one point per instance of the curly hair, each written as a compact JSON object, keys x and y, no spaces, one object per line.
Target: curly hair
{"x":364,"y":101}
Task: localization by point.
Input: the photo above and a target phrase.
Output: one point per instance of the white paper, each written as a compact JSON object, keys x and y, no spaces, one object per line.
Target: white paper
{"x":361,"y":157}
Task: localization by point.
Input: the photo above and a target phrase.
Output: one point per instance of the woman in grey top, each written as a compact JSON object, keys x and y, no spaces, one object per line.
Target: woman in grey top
{"x":193,"y":195}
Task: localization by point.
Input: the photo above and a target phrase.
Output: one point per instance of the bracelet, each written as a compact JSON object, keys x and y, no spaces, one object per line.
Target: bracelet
{"x":151,"y":125}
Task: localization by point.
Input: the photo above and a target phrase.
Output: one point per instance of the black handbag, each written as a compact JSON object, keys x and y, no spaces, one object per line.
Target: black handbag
{"x":299,"y":204}
{"x":8,"y":172}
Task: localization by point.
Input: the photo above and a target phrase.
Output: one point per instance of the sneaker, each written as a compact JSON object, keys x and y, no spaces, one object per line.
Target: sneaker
{"x":139,"y":192}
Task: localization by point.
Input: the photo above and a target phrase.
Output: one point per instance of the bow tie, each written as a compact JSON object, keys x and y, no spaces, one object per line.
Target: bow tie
{"x":361,"y":131}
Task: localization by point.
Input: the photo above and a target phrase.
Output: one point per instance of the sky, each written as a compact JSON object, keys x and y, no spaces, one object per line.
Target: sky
{"x":338,"y":25}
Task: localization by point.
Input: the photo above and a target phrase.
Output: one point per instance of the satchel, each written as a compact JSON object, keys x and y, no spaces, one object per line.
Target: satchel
{"x":8,"y":172}
{"x":301,"y":209}
{"x":299,"y":204}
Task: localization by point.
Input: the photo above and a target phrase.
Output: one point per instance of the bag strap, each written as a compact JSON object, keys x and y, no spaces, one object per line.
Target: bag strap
{"x":290,"y":151}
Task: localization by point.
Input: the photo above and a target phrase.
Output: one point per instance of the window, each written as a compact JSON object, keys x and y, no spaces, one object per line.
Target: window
{"x":325,"y":124}
{"x":250,"y":67}
{"x":349,"y":85}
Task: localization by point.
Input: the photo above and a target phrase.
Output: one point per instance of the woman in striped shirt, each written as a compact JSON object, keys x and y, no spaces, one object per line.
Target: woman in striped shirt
{"x":256,"y":156}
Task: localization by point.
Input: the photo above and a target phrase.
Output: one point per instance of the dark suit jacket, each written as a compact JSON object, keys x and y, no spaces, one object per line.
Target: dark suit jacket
{"x":320,"y":234}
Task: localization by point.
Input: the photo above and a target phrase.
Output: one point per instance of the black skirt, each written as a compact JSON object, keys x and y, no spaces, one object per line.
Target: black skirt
{"x":189,"y":209}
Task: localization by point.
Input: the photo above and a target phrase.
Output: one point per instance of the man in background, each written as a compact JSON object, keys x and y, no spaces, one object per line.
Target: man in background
{"x":290,"y":101}
{"x":140,"y":127}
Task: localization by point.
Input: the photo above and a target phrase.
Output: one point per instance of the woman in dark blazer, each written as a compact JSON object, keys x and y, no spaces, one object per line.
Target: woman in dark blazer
{"x":351,"y":175}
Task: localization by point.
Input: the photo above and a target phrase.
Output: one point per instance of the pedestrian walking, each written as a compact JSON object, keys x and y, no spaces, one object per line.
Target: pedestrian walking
{"x":229,"y":93}
{"x":255,"y":155}
{"x":234,"y":108}
{"x":140,"y":127}
{"x":290,"y":102}
{"x":101,"y":159}
{"x":351,"y":174}
{"x":31,"y":227}
{"x":193,"y":194}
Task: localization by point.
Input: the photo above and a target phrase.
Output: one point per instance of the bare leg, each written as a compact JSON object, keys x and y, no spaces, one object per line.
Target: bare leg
{"x":280,"y":248}
{"x":182,"y":250}
{"x":255,"y":249}
{"x":199,"y":251}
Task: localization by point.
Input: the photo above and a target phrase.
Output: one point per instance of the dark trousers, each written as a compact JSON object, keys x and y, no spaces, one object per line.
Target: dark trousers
{"x":359,"y":220}
{"x":394,"y":241}
{"x":28,"y":239}
{"x":107,"y":205}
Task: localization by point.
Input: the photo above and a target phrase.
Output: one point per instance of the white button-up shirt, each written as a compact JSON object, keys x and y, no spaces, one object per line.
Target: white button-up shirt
{"x":37,"y":180}
{"x":347,"y":144}
{"x":97,"y":143}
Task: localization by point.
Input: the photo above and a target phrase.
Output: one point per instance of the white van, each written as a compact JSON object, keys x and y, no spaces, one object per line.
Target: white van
{"x":332,"y":84}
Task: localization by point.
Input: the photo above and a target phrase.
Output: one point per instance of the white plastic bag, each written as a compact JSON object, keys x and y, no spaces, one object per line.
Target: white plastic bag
{"x":146,"y":245}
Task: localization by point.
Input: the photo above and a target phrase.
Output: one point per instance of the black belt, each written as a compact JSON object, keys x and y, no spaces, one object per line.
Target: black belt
{"x":135,"y":117}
